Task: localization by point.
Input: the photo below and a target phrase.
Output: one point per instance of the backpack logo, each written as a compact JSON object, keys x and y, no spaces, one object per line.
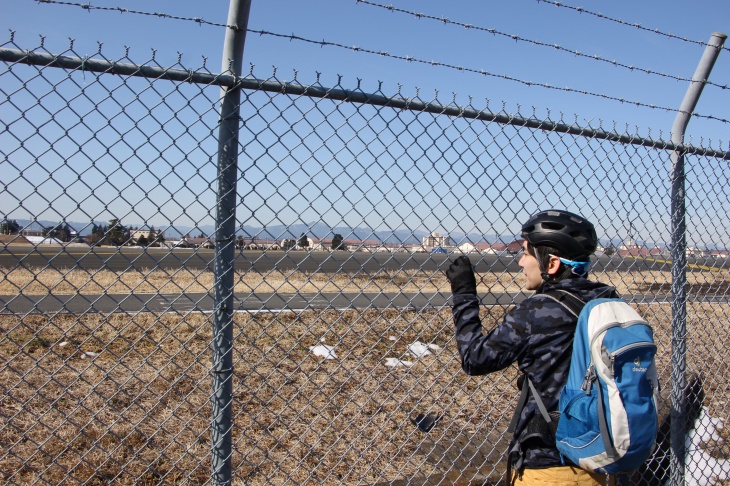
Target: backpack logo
{"x":638,"y":368}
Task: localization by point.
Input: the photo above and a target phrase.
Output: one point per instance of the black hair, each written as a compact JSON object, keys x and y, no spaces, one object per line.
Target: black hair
{"x":543,"y":252}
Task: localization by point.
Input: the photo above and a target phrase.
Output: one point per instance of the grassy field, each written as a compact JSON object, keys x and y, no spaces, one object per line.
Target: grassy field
{"x":124,"y":399}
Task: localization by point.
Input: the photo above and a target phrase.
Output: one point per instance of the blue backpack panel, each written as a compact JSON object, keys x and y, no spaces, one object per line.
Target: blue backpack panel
{"x":608,"y":407}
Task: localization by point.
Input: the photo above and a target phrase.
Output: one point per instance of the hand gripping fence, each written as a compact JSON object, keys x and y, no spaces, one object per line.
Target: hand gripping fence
{"x":307,"y":277}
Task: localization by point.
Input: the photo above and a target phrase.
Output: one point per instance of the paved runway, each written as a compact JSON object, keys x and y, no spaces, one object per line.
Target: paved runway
{"x":252,"y":302}
{"x":124,"y":259}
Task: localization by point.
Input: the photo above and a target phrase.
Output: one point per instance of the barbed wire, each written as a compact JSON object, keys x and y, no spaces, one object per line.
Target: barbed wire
{"x":483,"y":72}
{"x":518,"y":38}
{"x":629,"y":24}
{"x":322,"y":43}
{"x":88,"y":6}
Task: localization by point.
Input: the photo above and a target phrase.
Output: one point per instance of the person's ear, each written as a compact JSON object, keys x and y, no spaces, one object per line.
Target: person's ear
{"x":553,"y":265}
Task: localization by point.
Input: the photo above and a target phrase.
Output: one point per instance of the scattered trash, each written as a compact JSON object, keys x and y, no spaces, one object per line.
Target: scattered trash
{"x":394,"y":362}
{"x":426,"y":422}
{"x":323,"y":351}
{"x":78,"y":353}
{"x":705,"y":430}
{"x":392,"y":338}
{"x":419,"y":349}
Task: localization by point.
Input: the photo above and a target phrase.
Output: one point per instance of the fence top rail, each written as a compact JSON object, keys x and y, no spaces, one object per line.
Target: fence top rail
{"x":340,"y":94}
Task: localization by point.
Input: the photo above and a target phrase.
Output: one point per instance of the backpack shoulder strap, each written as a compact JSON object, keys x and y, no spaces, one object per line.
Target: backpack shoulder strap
{"x":551,"y":422}
{"x":520,"y":405}
{"x":527,"y":388}
{"x":574,"y":305}
{"x":571,"y":302}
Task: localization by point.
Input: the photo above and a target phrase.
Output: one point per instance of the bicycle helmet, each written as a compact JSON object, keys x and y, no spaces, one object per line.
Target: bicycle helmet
{"x":572,"y":234}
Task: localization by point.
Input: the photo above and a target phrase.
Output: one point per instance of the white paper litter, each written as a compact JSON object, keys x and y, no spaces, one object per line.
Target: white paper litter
{"x":323,"y":351}
{"x":89,"y":354}
{"x":395,"y":362}
{"x":419,"y":349}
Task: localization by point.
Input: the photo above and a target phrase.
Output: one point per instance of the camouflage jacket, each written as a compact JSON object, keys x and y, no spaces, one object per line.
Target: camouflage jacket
{"x":537,"y":334}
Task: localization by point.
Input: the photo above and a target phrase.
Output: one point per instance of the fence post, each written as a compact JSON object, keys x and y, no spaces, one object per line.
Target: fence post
{"x":225,"y":236}
{"x":679,"y":258}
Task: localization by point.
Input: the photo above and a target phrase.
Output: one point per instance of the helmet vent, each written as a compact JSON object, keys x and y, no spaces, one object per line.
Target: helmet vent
{"x":552,"y":226}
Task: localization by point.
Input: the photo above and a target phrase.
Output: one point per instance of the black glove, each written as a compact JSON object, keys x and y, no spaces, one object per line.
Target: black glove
{"x":461,"y":277}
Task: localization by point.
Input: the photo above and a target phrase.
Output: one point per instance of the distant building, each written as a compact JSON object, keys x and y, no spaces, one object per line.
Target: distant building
{"x":484,"y":247}
{"x":496,"y":248}
{"x":638,"y":251}
{"x":466,"y":247}
{"x":436,"y":240}
{"x":207,"y":243}
{"x":136,"y":234}
{"x":695,"y":252}
{"x":515,"y":246}
{"x":325,"y":244}
{"x":187,"y":242}
{"x":43,"y":240}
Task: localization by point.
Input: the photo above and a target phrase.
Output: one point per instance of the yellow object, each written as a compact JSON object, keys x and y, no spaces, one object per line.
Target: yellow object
{"x":560,"y":476}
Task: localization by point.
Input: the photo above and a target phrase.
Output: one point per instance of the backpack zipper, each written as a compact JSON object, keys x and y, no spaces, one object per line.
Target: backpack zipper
{"x":643,"y":344}
{"x":591,"y":375}
{"x":589,"y":379}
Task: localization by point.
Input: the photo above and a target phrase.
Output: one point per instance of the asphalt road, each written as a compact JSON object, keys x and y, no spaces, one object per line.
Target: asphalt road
{"x":202,"y":302}
{"x":251,"y":302}
{"x":123,"y":259}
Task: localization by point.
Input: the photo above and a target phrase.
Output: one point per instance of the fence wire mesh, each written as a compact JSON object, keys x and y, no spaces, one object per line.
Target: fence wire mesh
{"x":345,"y":366}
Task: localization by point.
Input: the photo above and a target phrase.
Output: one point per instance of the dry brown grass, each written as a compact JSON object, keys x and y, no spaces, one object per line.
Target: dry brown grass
{"x":44,"y":281}
{"x":139,"y":412}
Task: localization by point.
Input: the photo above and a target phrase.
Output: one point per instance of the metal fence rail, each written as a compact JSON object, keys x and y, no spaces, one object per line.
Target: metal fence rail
{"x":106,"y":347}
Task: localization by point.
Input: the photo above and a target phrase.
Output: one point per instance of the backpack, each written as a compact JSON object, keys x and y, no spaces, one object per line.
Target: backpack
{"x":608,"y":407}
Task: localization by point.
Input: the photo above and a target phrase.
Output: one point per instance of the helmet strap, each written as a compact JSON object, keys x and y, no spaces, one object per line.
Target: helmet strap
{"x":576,"y":268}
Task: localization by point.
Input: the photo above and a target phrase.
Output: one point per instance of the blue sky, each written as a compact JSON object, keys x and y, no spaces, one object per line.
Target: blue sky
{"x":352,"y":23}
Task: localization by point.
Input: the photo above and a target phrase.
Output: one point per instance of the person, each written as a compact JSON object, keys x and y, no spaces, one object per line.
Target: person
{"x":537,"y":334}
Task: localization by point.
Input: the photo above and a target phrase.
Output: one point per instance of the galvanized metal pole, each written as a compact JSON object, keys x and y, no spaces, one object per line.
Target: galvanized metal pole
{"x":225,"y":235}
{"x":679,"y":260}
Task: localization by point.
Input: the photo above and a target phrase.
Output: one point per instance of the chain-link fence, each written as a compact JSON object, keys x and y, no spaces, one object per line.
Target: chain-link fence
{"x":349,"y":205}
